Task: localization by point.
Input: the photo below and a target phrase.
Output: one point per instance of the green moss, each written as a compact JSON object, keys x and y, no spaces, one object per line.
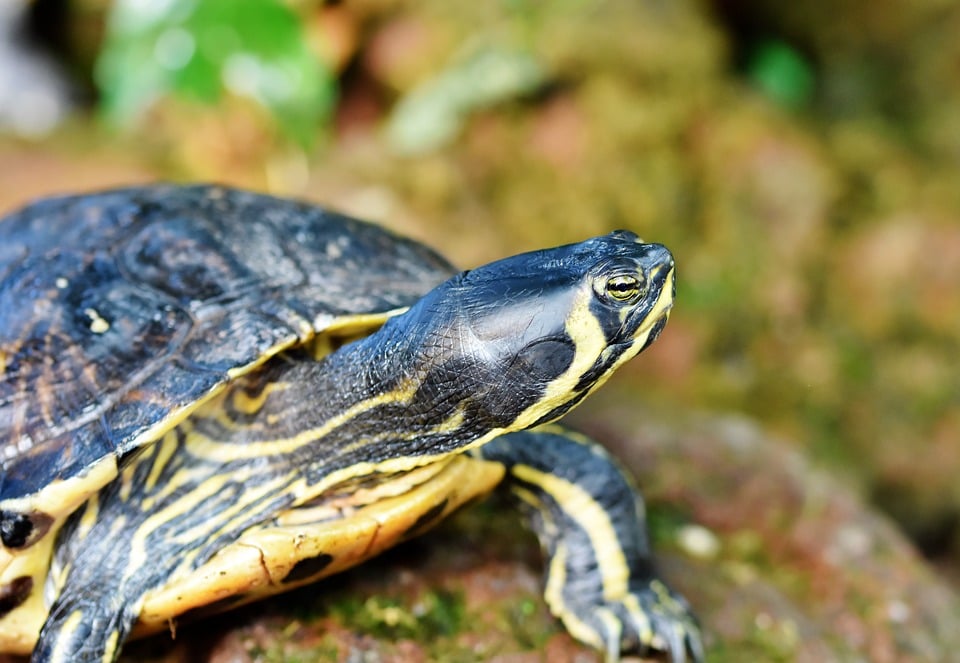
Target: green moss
{"x":756,"y":647}
{"x":530,"y":631}
{"x":281,"y":651}
{"x":422,"y":619}
{"x":663,"y":523}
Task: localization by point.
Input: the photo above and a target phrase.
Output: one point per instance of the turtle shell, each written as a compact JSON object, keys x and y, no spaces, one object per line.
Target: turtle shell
{"x":121,"y":311}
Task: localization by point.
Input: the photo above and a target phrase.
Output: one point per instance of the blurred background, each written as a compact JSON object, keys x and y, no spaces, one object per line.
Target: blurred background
{"x":802,"y":160}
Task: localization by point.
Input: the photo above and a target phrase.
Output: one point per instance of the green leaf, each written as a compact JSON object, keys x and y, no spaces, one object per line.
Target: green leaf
{"x":197,"y":51}
{"x":782,"y":73}
{"x":433,"y":113}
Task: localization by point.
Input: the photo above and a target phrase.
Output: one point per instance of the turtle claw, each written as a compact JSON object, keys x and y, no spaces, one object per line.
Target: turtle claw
{"x":654,"y":620}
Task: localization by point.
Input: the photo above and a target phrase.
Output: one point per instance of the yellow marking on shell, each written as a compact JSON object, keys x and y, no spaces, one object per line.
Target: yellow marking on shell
{"x":62,"y":497}
{"x":97,"y":324}
{"x":553,"y":595}
{"x":255,"y":565}
{"x":593,"y":518}
{"x":20,"y":627}
{"x":240,"y":371}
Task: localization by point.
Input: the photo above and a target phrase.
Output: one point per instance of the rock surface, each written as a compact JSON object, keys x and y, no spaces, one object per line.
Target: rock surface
{"x":803,"y":571}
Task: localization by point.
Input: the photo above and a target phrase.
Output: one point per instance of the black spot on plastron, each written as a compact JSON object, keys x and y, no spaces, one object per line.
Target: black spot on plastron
{"x":309,"y":567}
{"x":14,"y":593}
{"x":426,"y":519}
{"x":15,"y":529}
{"x":19,"y":530}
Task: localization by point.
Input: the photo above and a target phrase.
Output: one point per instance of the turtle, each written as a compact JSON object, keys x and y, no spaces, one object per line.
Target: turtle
{"x":209,"y":396}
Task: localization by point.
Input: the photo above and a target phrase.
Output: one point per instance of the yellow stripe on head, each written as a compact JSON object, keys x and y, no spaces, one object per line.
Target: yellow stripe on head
{"x":589,"y":342}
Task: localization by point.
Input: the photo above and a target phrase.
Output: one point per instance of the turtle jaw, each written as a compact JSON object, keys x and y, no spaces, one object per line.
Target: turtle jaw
{"x":648,"y":320}
{"x":655,"y":319}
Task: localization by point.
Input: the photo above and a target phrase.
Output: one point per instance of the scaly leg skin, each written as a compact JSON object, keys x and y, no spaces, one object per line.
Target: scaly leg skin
{"x":600,"y":580}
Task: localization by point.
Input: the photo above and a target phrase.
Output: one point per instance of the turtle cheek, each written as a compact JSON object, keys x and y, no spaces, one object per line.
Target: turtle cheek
{"x":521,"y":380}
{"x":542,"y":361}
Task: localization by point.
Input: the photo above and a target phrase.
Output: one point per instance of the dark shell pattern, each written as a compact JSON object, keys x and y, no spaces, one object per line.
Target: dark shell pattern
{"x":118,"y":310}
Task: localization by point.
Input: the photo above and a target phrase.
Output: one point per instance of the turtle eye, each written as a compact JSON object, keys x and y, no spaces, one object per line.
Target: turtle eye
{"x":624,"y":288}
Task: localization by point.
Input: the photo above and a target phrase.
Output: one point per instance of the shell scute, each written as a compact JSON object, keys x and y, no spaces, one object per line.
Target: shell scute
{"x":121,"y":311}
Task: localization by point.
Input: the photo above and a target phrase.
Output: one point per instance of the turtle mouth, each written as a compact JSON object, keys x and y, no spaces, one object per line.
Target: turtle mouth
{"x":655,"y":330}
{"x":655,"y":317}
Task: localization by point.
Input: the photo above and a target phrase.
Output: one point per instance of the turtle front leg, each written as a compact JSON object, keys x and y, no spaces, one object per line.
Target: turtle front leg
{"x":83,"y":630}
{"x":600,"y":580}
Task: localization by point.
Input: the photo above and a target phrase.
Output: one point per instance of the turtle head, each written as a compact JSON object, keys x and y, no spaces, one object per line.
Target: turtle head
{"x":531,"y":335}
